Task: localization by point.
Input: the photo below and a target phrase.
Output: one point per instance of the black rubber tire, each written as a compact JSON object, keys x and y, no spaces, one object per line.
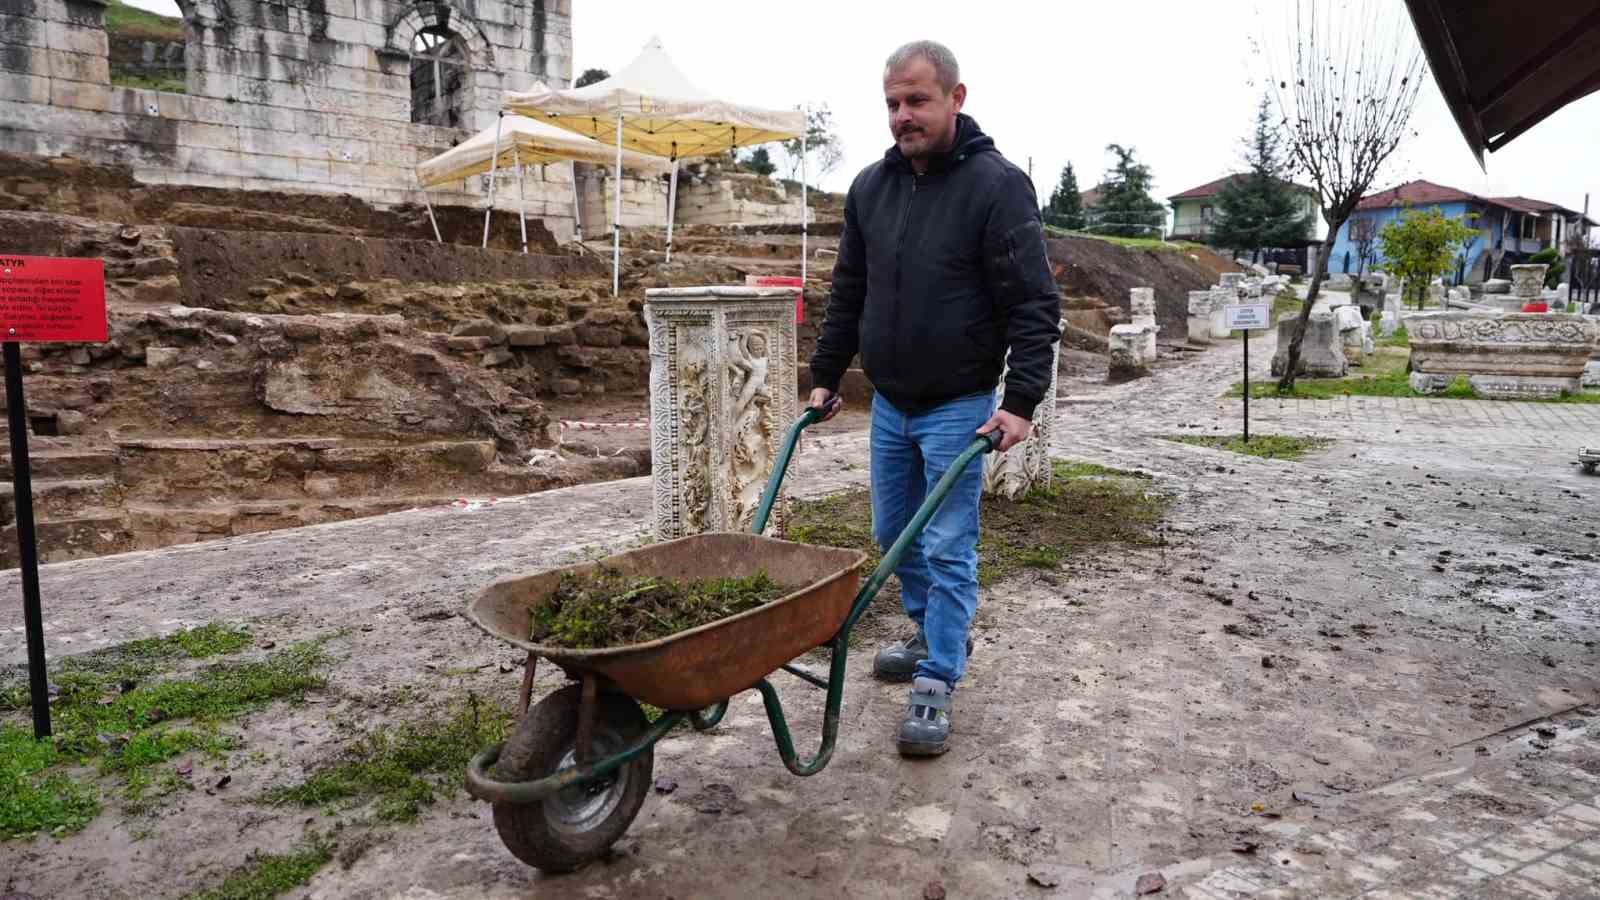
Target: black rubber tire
{"x":534,"y":832}
{"x":1589,"y":468}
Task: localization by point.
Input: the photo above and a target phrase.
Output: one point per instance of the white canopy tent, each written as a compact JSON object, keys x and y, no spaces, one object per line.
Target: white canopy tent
{"x":650,"y":107}
{"x":515,"y":143}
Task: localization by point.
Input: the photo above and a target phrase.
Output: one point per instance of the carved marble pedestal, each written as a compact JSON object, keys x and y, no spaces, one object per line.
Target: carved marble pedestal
{"x":1321,"y":352}
{"x":1508,"y":356}
{"x":1027,"y":465}
{"x":722,"y":396}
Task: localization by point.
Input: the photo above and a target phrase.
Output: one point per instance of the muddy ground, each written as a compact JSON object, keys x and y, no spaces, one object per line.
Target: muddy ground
{"x":1303,"y":630}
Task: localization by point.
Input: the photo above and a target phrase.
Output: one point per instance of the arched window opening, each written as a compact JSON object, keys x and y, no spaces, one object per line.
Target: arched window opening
{"x":438,"y":78}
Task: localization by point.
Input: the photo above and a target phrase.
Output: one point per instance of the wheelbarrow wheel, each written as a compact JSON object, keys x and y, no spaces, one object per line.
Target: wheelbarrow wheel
{"x":574,"y":827}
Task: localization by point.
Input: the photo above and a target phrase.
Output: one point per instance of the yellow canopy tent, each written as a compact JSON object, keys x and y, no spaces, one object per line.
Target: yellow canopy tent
{"x":514,"y":143}
{"x":650,"y":107}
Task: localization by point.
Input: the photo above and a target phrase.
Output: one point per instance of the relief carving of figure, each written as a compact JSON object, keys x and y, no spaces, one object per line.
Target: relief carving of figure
{"x":749,"y":384}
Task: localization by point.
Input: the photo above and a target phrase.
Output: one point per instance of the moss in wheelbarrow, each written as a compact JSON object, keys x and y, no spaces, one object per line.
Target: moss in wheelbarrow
{"x":607,"y":608}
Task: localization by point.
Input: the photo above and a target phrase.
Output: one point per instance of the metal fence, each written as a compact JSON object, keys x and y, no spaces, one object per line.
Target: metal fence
{"x":1583,"y":280}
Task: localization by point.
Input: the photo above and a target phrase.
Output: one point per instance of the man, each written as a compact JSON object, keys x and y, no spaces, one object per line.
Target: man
{"x":941,"y":270}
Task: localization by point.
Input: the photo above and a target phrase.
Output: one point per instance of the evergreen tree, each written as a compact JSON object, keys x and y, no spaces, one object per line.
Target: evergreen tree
{"x":1065,"y":209}
{"x":759,"y":161}
{"x":591,"y":76}
{"x":1126,"y":209}
{"x":1260,"y":209}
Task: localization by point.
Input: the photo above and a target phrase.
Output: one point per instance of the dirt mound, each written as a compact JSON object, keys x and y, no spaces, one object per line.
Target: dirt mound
{"x":72,"y":187}
{"x":216,"y":264}
{"x":1087,"y":267}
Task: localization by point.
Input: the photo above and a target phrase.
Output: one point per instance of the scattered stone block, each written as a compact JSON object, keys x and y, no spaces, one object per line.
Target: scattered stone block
{"x":1497,"y":286}
{"x":1505,"y":356}
{"x":567,"y":387}
{"x":525,"y":336}
{"x":1321,"y":351}
{"x":1133,"y":351}
{"x":79,"y":356}
{"x":499,"y":356}
{"x":485,"y":328}
{"x":1199,"y":317}
{"x":161,"y":357}
{"x":69,"y":421}
{"x":470,"y":344}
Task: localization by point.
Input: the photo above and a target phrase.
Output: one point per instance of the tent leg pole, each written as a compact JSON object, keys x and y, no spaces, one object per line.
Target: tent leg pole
{"x":522,"y":196}
{"x":435,"y":222}
{"x":616,"y":221}
{"x":805,"y":216}
{"x":494,"y":159}
{"x":672,"y":206}
{"x":577,"y":204}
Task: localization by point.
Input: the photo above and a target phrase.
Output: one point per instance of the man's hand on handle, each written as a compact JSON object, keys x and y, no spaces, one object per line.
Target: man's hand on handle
{"x":1013,"y":428}
{"x":826,"y":400}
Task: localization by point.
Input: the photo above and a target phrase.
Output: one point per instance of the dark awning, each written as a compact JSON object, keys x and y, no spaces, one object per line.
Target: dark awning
{"x":1504,"y":66}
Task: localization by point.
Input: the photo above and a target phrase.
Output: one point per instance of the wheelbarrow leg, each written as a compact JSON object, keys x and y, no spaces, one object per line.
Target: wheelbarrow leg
{"x":583,"y":746}
{"x":525,"y":696}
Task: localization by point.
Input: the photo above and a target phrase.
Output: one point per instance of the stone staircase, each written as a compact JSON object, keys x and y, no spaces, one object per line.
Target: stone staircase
{"x":145,"y":492}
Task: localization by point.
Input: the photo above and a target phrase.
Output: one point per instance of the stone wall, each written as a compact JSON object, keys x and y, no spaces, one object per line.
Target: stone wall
{"x":303,"y":96}
{"x":718,"y":198}
{"x":132,"y":55}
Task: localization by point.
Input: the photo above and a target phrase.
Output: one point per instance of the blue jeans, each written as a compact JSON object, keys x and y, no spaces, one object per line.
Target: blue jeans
{"x":939,"y":572}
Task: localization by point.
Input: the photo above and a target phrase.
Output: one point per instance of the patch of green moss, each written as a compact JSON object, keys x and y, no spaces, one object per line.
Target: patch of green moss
{"x":266,"y":875}
{"x":1085,"y":505}
{"x":399,"y":768}
{"x":33,"y":800}
{"x":118,"y":709}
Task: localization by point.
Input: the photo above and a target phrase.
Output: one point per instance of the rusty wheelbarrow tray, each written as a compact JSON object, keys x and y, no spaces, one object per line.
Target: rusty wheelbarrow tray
{"x":572,"y":776}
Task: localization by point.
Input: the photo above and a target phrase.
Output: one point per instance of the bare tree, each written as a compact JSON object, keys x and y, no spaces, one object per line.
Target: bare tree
{"x":1364,"y":236}
{"x":1354,"y":74}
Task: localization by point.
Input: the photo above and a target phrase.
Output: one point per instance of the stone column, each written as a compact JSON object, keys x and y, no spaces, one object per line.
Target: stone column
{"x":1226,"y":292}
{"x":1132,"y":347}
{"x":1390,"y":322}
{"x":722,"y":396}
{"x":1199,"y":317}
{"x":1026,"y":466}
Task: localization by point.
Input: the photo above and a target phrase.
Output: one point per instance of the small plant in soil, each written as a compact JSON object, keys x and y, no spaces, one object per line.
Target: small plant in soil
{"x":1266,"y":446}
{"x":399,"y":767}
{"x":607,"y":608}
{"x":266,"y":875}
{"x":125,"y":710}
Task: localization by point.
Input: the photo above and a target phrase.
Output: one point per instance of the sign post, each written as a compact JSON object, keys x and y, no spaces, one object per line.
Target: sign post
{"x":1247,"y":317}
{"x":54,"y":300}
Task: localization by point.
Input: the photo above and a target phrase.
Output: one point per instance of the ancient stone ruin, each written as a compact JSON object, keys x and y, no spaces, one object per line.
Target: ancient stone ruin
{"x":1026,"y":466}
{"x":1133,"y":345}
{"x":1321,"y":351}
{"x":722,"y":396}
{"x":1506,"y":356}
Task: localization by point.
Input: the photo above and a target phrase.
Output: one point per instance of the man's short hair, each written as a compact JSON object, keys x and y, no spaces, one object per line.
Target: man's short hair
{"x":945,"y":68}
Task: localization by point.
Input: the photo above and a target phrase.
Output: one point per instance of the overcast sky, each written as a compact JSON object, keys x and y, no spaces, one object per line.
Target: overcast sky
{"x":1057,"y":82}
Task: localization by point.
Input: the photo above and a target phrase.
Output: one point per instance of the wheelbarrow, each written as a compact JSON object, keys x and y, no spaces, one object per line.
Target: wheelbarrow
{"x":576,"y":767}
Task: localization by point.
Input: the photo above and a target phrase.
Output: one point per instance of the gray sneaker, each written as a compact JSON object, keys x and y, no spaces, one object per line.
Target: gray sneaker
{"x":925,"y":730}
{"x":898,"y":662}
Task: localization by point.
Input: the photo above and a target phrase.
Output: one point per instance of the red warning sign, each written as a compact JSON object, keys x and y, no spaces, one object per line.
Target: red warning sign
{"x":45,"y":298}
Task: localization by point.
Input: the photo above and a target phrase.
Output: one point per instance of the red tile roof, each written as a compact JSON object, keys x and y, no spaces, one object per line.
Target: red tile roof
{"x":1213,"y":188}
{"x":1417,"y":193}
{"x":1426,"y":193}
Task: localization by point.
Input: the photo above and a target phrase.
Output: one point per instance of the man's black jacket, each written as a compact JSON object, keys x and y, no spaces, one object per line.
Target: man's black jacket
{"x":937,"y":275}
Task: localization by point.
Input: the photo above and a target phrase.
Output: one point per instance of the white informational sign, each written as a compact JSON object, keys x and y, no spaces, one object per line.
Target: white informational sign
{"x":1247,"y":317}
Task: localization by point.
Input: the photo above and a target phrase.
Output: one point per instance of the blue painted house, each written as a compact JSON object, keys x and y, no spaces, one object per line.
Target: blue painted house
{"x":1510,"y":229}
